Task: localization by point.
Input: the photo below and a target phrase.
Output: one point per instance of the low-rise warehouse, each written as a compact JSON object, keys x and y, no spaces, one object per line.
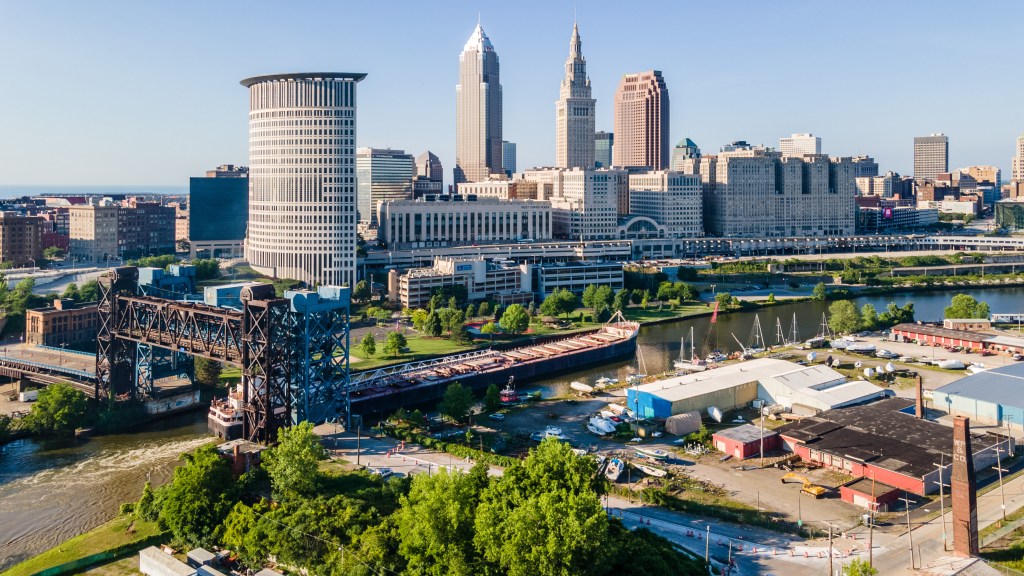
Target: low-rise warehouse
{"x":885,"y":442}
{"x":814,"y":388}
{"x":992,"y":397}
{"x":928,"y":334}
{"x":745,"y":441}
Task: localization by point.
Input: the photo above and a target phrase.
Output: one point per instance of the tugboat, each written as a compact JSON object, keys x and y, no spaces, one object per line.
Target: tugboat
{"x":509,"y":394}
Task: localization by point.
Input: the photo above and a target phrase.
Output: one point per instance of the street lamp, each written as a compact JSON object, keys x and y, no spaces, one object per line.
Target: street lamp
{"x":61,"y":359}
{"x":32,"y":260}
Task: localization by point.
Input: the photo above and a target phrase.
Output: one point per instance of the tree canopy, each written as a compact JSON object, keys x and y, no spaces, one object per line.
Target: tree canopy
{"x":560,"y":301}
{"x":368,"y":345}
{"x":515,"y":320}
{"x":395,"y":343}
{"x":293,"y":464}
{"x":201,"y":494}
{"x":843,"y":317}
{"x":59,"y":409}
{"x":966,"y":306}
{"x":456,"y":402}
{"x":819,"y":292}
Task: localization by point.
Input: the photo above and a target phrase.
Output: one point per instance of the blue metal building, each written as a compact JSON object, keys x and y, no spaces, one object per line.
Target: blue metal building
{"x":994,"y":397}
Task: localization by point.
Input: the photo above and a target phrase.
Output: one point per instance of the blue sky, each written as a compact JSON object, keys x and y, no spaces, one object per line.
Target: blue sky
{"x":109,"y":92}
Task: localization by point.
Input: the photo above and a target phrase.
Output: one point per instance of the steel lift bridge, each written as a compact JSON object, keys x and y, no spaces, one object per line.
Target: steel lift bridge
{"x":293,"y":351}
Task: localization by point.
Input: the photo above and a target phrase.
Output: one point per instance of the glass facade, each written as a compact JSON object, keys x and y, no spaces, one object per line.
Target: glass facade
{"x":218,"y":208}
{"x":603,"y":142}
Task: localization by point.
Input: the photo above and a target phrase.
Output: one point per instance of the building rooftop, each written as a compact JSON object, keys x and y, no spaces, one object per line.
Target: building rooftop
{"x":1003,"y":385}
{"x":828,"y":386}
{"x":744,"y":433}
{"x":355,"y":76}
{"x":867,"y":486}
{"x":690,"y":385}
{"x":880,"y":433}
{"x":939,"y":331}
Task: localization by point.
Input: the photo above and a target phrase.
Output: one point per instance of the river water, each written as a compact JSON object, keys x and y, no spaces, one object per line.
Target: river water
{"x":50,"y":492}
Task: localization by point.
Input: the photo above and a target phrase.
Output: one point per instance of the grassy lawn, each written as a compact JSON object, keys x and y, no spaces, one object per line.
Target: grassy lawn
{"x":110,"y":535}
{"x":420,"y":347}
{"x":124,"y":567}
{"x":245,"y":273}
{"x":652,"y":313}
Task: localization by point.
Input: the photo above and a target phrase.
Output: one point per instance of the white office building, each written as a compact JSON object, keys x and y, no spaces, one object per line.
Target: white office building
{"x":575,"y":111}
{"x":672,"y":199}
{"x":382,"y":175}
{"x":931,"y":156}
{"x":584,"y":203}
{"x":501,"y":281}
{"x":425,"y":224}
{"x":576,"y":276}
{"x":1017,"y":172}
{"x":800,"y":144}
{"x":302,"y":182}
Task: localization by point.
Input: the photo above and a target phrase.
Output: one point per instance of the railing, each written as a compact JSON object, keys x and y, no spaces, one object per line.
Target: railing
{"x":64,"y":350}
{"x":16,"y":362}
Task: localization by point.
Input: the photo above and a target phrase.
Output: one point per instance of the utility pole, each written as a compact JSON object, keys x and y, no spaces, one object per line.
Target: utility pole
{"x":942,"y":501}
{"x":830,"y":570}
{"x":910,"y":533}
{"x":707,"y":544}
{"x":762,"y":443}
{"x":999,"y":468}
{"x":871,"y":525}
{"x":358,"y":436}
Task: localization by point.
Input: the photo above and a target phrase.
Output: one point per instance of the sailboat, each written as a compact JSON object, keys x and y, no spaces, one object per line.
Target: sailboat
{"x":823,"y":336}
{"x":694,"y":364}
{"x":780,"y":337}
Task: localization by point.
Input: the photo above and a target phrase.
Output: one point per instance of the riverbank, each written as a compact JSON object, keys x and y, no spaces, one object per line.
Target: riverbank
{"x":120,"y":537}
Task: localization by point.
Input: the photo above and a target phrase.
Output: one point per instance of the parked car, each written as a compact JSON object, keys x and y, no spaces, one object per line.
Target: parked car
{"x":496,"y":416}
{"x":382,"y":472}
{"x":1017,"y":357}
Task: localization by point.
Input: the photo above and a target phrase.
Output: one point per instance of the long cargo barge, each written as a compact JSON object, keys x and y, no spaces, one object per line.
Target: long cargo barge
{"x":611,"y":342}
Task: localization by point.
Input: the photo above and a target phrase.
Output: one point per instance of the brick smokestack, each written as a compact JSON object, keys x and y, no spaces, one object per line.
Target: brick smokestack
{"x":919,"y":402}
{"x":963,"y":490}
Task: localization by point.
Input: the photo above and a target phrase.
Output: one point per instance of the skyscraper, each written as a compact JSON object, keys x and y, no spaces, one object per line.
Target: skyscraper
{"x":685,"y":150}
{"x":1017,"y":174}
{"x":429,"y":175}
{"x":604,"y":142}
{"x":931,"y":156}
{"x":508,"y":157}
{"x":641,"y":121}
{"x":218,"y":211}
{"x":800,"y":144}
{"x":302,"y":188}
{"x":478,"y":111}
{"x":574,"y":112}
{"x":382,"y":174}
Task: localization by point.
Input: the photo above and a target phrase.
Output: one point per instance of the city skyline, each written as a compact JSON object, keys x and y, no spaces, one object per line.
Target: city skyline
{"x":180,"y":113}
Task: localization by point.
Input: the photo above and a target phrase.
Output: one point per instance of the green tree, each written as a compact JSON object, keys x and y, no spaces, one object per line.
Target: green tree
{"x":433,"y":324}
{"x":90,"y":291}
{"x":452,"y":319}
{"x":71,"y":292}
{"x":544,"y":516}
{"x":621,"y":301}
{"x":588,"y":295}
{"x":294,"y":464}
{"x":361,"y":293}
{"x":894,"y":314}
{"x":368,"y":345}
{"x":724,"y":300}
{"x":60,"y":409}
{"x":485,"y":309}
{"x":966,"y":306}
{"x":53,"y":253}
{"x":515,"y":320}
{"x":490,"y":328}
{"x":246,"y":536}
{"x":560,"y":301}
{"x":419,"y":318}
{"x":394,"y":345}
{"x":666,"y":291}
{"x":603,"y":297}
{"x":436,"y":523}
{"x":208,"y":371}
{"x":207,"y":268}
{"x":869,"y":317}
{"x":146,"y":507}
{"x":532,"y":309}
{"x":456,"y":402}
{"x":199,"y":497}
{"x":819,"y":292}
{"x":843,"y":317}
{"x":859,"y":567}
{"x":492,"y":398}
{"x":771,"y":298}
{"x":470,"y":311}
{"x":644,"y":302}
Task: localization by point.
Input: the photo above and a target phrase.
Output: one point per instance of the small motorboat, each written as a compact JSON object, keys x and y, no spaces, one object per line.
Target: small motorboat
{"x":602,"y":425}
{"x":655,"y":453}
{"x":581,"y":387}
{"x":549,"y":432}
{"x":861,"y":348}
{"x":595,"y":430}
{"x":652,"y":471}
{"x":615,"y":469}
{"x":951,"y":364}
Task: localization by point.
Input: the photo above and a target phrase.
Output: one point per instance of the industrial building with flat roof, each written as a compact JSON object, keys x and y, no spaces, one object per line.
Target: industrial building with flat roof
{"x":811,"y":388}
{"x":884,"y":441}
{"x":992,"y":397}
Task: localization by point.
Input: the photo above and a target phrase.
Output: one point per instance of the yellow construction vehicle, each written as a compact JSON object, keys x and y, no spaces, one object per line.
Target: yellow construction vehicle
{"x":808,"y":487}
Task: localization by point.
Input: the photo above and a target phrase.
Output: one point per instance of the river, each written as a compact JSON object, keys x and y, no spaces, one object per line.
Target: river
{"x":50,"y":492}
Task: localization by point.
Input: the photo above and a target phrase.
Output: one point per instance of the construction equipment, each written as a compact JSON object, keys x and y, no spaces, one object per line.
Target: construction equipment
{"x":808,"y":486}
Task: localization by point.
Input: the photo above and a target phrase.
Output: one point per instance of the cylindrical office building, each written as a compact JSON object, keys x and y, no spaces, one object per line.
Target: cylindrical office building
{"x":302,"y":182}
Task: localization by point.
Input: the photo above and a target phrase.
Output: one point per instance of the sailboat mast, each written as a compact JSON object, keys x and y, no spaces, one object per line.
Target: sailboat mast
{"x":794,"y":337}
{"x":780,"y":338}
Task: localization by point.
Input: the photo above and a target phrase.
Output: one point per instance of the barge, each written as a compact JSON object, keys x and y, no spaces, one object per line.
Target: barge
{"x":426,"y":386}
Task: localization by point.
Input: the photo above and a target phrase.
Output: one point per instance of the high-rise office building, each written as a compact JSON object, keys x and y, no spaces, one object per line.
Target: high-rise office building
{"x":672,"y":199}
{"x":478,"y":111}
{"x":1017,"y":174}
{"x":429,"y":175}
{"x":382,"y":174}
{"x":508,"y":157}
{"x":574,"y":112}
{"x":800,"y":144}
{"x":931,"y":156}
{"x":865,"y":166}
{"x":684,"y":155}
{"x":302,"y":182}
{"x":218,"y":211}
{"x":604,"y":143}
{"x":641,"y":121}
